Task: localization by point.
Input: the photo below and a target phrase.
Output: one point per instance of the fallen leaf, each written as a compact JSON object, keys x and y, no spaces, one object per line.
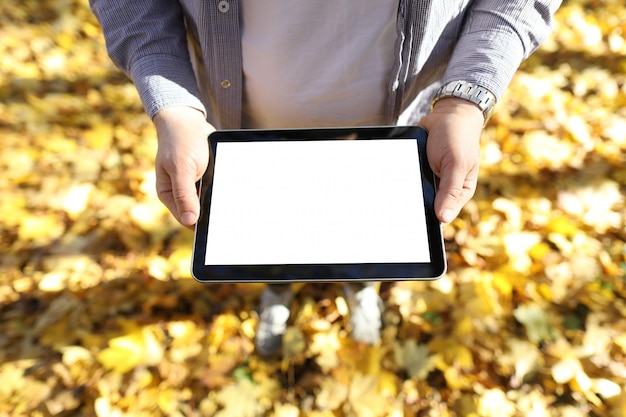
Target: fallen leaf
{"x":413,"y":358}
{"x":494,"y":403}
{"x":124,"y":353}
{"x":536,"y":322}
{"x":332,"y":394}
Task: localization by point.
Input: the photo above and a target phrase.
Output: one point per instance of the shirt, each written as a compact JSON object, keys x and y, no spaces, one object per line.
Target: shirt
{"x":319,"y":63}
{"x":189,"y":52}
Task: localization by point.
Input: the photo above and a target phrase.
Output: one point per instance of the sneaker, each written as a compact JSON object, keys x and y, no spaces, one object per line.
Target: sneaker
{"x":366,"y":308}
{"x":273,"y":319}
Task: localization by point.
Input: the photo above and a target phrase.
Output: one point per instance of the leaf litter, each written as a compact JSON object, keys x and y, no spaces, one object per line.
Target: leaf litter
{"x":99,"y":315}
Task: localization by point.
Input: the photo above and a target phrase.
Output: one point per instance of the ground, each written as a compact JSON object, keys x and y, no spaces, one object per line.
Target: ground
{"x":100,"y":317}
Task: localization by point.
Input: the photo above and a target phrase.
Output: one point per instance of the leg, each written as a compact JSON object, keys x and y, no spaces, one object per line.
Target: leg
{"x":275,"y":309}
{"x":366,"y":308}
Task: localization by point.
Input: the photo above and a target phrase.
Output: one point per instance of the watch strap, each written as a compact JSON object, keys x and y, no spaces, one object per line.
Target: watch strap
{"x":477,"y":94}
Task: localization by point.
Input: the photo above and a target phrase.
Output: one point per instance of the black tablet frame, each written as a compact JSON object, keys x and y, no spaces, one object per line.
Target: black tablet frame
{"x":320,"y":272}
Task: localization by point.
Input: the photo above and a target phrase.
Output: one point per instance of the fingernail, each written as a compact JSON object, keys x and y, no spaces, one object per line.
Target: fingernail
{"x":447,"y":215}
{"x":188,"y":218}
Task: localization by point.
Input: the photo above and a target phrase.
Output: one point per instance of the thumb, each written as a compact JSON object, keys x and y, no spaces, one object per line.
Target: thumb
{"x":176,"y":189}
{"x":185,"y":196}
{"x":456,"y":188}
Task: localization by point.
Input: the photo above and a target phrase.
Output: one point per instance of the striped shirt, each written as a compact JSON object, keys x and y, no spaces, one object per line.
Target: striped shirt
{"x":188,"y":52}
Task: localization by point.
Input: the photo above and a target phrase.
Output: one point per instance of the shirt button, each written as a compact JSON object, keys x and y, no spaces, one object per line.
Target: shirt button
{"x":225,"y":84}
{"x":223,"y":6}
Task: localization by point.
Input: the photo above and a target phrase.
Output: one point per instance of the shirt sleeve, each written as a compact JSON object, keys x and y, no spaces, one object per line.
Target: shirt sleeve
{"x":496,"y":37}
{"x":147,"y":40}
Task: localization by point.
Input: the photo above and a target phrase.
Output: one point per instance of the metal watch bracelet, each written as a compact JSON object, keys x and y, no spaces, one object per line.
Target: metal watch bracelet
{"x":480,"y":96}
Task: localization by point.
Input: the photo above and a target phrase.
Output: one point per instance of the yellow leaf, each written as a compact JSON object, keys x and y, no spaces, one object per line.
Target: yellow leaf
{"x":512,"y":210}
{"x":535,"y":404}
{"x":41,"y":229}
{"x":286,"y":410}
{"x":536,"y":322}
{"x":544,"y":150}
{"x":524,"y":357}
{"x":123,"y":354}
{"x":240,"y":400}
{"x":76,"y":355}
{"x":99,"y":136}
{"x":388,"y":385}
{"x":619,"y":408}
{"x":565,"y":370}
{"x":606,"y":388}
{"x":56,"y":333}
{"x":621,"y":342}
{"x":517,"y":247}
{"x":53,"y":281}
{"x":326,"y":345}
{"x":126,"y":352}
{"x":596,"y":204}
{"x":159,"y":268}
{"x":579,"y":129}
{"x":102,"y":407}
{"x":331,"y":395}
{"x":494,"y":403}
{"x":342,"y":306}
{"x":294,"y":344}
{"x":539,"y":251}
{"x":76,"y":199}
{"x":167,"y":401}
{"x":224,"y":326}
{"x":182,"y":332}
{"x":14,"y":379}
{"x":149,"y":217}
{"x":502,"y":282}
{"x":464,"y":328}
{"x":364,"y":397}
{"x":413,"y":358}
{"x":461,"y":357}
{"x":457,"y":380}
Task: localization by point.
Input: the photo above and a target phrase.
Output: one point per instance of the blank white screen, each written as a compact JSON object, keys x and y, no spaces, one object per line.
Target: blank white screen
{"x":317,"y":202}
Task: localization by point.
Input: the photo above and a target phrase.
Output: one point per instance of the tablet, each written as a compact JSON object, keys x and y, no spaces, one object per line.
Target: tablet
{"x":340,"y":204}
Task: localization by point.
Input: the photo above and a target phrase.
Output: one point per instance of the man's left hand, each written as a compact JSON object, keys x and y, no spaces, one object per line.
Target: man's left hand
{"x":454,"y":127}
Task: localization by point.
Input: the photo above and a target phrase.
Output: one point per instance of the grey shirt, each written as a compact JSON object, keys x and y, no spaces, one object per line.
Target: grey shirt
{"x":188,"y":52}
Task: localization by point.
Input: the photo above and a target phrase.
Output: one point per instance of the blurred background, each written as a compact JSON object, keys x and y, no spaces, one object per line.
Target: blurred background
{"x":99,"y":315}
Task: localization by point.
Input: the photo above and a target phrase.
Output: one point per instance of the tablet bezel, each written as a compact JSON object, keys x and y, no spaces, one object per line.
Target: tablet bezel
{"x":344,"y":272}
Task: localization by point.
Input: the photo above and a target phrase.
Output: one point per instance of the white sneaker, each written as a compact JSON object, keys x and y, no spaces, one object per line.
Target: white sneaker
{"x":273,"y":319}
{"x":366,"y":308}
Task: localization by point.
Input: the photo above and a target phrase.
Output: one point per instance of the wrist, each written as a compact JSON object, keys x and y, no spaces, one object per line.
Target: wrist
{"x":457,"y":105}
{"x":178,"y":125}
{"x":174,"y":113}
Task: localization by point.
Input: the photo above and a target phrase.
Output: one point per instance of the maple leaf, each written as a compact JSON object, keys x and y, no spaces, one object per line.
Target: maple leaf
{"x":413,"y":358}
{"x":364,"y":397}
{"x":241,"y":400}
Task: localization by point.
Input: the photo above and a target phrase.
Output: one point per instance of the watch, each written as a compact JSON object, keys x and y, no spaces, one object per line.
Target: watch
{"x":479,"y":95}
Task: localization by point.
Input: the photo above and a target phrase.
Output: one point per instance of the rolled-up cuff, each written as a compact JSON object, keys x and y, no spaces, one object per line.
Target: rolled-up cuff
{"x":164,"y":81}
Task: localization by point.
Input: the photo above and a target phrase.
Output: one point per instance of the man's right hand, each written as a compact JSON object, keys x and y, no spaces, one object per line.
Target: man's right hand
{"x":182,"y":158}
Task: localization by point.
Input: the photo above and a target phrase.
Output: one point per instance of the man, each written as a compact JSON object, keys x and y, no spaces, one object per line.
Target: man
{"x":201,"y":65}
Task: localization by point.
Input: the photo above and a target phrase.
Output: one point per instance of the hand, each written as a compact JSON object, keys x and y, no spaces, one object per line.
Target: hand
{"x":182,"y":158}
{"x":454,"y":127}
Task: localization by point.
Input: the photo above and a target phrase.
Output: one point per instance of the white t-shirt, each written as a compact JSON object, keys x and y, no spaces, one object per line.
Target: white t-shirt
{"x":316,"y":63}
